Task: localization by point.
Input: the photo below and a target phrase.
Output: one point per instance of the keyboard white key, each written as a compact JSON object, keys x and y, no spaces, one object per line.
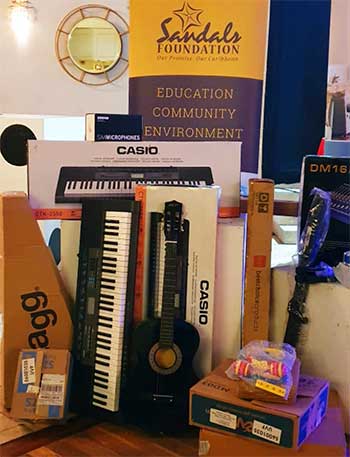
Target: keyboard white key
{"x":111,"y":312}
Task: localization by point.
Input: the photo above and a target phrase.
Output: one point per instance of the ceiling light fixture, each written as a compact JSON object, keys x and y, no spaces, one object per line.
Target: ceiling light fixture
{"x":22,"y":14}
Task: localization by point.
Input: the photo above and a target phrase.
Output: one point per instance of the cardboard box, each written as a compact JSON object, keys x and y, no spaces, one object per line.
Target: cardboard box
{"x":228,"y":296}
{"x":214,"y":404}
{"x":200,"y":206}
{"x":258,"y":259}
{"x":327,"y":440}
{"x":50,"y":163}
{"x":33,"y":301}
{"x":42,"y":384}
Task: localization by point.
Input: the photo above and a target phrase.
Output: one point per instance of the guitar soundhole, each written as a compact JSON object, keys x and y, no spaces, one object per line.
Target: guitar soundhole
{"x":165,"y":360}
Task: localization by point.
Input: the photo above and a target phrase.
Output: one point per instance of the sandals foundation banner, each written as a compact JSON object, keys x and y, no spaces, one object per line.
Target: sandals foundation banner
{"x":197,"y":69}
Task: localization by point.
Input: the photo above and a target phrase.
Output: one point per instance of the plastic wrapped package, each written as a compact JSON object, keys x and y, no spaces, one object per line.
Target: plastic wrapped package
{"x":265,"y":365}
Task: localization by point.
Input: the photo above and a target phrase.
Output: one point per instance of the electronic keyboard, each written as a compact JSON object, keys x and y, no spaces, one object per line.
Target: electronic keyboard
{"x":78,"y":183}
{"x":104,"y":303}
{"x":340,"y":205}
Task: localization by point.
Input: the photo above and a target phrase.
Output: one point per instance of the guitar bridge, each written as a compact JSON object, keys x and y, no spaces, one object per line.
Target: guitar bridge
{"x":163,"y":399}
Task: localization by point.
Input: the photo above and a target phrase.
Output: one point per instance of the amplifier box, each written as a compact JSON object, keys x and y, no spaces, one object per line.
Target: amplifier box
{"x":199,"y":221}
{"x":331,"y":174}
{"x":63,"y":173}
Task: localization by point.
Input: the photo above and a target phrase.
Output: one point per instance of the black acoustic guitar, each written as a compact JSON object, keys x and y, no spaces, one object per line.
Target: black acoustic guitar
{"x":162,"y":350}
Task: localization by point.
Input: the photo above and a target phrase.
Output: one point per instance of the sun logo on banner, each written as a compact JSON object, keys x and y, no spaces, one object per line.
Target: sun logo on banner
{"x":189,"y":16}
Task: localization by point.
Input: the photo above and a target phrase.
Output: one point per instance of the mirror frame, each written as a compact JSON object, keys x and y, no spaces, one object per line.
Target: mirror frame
{"x":66,"y":26}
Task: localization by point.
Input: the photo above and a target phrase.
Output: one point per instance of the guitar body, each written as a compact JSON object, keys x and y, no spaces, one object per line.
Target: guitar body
{"x":153,"y":395}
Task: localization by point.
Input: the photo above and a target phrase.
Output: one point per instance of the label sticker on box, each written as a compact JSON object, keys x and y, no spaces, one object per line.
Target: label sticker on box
{"x":33,"y":389}
{"x":204,"y":447}
{"x":277,"y":390}
{"x":267,"y":432}
{"x":28,"y":371}
{"x":222,"y":418}
{"x":52,"y":390}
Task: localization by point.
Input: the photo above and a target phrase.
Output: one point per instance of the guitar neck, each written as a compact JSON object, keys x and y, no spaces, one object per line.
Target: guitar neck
{"x":169,"y":291}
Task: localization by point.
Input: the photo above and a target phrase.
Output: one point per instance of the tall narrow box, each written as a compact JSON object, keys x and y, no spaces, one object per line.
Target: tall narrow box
{"x":258,"y":260}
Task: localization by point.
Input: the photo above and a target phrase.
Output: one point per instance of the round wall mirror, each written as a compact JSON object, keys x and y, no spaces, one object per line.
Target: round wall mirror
{"x":94,"y":45}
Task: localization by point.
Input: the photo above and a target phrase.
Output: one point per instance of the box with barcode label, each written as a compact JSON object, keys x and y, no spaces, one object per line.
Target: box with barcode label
{"x":215,"y":405}
{"x":42,"y":384}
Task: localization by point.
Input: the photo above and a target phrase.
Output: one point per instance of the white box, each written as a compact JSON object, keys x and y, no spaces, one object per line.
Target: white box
{"x":200,"y":207}
{"x":13,"y":158}
{"x":230,"y":255}
{"x":46,"y":158}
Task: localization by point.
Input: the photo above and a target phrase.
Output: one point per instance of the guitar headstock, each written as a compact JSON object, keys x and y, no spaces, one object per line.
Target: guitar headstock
{"x":172,"y":220}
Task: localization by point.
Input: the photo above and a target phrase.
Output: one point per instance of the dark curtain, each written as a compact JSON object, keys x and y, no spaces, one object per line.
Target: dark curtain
{"x":296,"y":83}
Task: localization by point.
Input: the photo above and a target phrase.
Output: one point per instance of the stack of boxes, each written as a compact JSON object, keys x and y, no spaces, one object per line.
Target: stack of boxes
{"x":229,"y":425}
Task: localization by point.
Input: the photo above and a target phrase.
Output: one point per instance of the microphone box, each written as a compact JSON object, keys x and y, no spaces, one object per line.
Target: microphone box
{"x":113,"y":127}
{"x":62,"y":173}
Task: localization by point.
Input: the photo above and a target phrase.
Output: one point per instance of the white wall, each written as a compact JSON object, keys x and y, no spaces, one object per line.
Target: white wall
{"x":32,"y":81}
{"x":339,"y":42}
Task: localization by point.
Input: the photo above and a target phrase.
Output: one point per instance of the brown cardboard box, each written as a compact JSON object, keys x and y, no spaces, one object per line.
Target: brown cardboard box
{"x":258,"y":258}
{"x":328,"y":440}
{"x":33,"y":302}
{"x":42,"y":384}
{"x":214,"y":404}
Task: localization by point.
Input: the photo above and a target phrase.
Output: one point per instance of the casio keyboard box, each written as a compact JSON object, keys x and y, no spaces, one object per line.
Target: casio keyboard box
{"x":199,"y":214}
{"x":33,"y":301}
{"x":113,"y":127}
{"x":62,"y":174}
{"x":42,"y":384}
{"x":215,"y":405}
{"x":331,"y":174}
